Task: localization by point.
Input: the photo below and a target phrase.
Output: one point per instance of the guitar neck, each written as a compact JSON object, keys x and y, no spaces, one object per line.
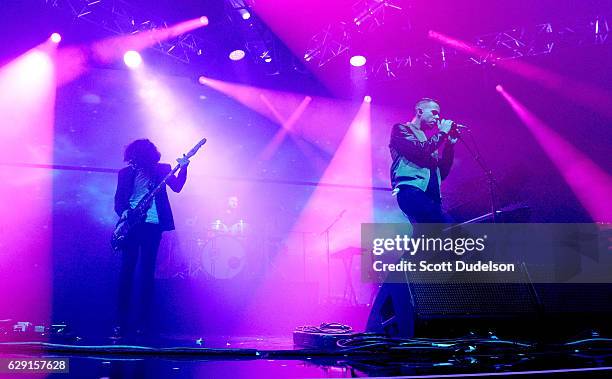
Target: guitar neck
{"x":143,"y":204}
{"x":148,"y":198}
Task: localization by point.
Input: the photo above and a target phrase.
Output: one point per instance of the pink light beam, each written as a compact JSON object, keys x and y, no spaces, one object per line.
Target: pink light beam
{"x":27,"y":103}
{"x":591,"y":185}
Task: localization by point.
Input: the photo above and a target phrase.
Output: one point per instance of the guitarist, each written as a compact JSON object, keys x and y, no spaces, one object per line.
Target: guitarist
{"x":143,"y":173}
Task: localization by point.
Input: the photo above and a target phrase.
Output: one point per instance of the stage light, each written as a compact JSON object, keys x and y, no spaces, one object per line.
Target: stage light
{"x":204,"y":20}
{"x":358,"y":60}
{"x":132,"y":59}
{"x":245,"y":14}
{"x":55,"y":38}
{"x":367,"y":99}
{"x":237,"y":55}
{"x":499,"y":88}
{"x":266,"y":56}
{"x":202,"y":80}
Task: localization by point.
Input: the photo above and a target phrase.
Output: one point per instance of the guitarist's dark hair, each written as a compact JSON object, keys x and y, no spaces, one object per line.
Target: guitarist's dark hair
{"x":141,"y":153}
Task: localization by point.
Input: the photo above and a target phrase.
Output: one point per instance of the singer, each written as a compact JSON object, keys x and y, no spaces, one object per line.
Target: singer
{"x":422,"y":151}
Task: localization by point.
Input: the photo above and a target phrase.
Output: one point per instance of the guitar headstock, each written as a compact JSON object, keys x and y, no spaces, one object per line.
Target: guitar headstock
{"x":195,"y":149}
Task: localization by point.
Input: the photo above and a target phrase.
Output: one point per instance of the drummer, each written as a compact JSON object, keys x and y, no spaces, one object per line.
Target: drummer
{"x":231,"y":220}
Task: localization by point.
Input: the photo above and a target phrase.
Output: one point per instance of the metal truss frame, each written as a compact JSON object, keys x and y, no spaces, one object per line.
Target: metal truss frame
{"x":256,"y":37}
{"x":491,"y":48}
{"x":335,"y":38}
{"x":329,"y":43}
{"x":121,"y":18}
{"x":372,"y":14}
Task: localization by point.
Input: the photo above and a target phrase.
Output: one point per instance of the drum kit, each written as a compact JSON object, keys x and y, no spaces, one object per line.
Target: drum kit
{"x":223,"y":253}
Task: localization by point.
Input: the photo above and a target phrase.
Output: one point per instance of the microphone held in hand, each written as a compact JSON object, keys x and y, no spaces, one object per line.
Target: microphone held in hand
{"x":457,"y":129}
{"x":459,"y":126}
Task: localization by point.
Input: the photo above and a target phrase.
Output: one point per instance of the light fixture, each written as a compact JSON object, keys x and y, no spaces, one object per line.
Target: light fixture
{"x":132,"y":59}
{"x":237,"y":55}
{"x":55,"y":38}
{"x":358,"y":60}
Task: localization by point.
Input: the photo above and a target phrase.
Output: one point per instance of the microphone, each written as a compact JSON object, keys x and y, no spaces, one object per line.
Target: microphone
{"x":455,"y":125}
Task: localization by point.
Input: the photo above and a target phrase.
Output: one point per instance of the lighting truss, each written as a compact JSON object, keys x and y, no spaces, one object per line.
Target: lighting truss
{"x":514,"y":43}
{"x":388,"y":68}
{"x":372,"y":14}
{"x":237,"y":9}
{"x":329,"y":43}
{"x":258,"y":40}
{"x":121,"y":18}
{"x":391,"y":68}
{"x":539,"y":39}
{"x":335,"y":39}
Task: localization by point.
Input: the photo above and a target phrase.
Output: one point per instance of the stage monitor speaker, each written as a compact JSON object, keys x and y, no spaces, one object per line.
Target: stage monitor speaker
{"x":449,"y":309}
{"x":442,"y":310}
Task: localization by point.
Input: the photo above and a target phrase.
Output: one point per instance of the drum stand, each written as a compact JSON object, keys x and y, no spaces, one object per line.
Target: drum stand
{"x":195,"y":268}
{"x":214,"y":255}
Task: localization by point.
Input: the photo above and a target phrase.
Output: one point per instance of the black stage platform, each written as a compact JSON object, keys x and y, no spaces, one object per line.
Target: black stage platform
{"x":356,"y":355}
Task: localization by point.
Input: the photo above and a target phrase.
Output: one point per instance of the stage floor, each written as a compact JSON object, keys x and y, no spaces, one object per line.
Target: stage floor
{"x":277,"y":357}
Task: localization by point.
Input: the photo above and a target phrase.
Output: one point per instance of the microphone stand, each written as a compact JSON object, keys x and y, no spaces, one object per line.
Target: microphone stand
{"x":473,"y":150}
{"x":303,"y":235}
{"x":326,"y":232}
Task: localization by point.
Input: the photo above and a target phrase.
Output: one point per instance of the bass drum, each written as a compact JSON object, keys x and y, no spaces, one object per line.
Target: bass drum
{"x":223,"y":257}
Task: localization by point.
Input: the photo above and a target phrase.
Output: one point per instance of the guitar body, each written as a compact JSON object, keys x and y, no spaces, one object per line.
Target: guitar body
{"x":138,"y":214}
{"x":123,"y":227}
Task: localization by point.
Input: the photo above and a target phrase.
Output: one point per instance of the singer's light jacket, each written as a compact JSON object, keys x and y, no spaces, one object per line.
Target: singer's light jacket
{"x":414,"y":155}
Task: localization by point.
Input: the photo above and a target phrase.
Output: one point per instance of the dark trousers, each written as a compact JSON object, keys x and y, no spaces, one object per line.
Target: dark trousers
{"x":421,"y":208}
{"x":143,"y":240}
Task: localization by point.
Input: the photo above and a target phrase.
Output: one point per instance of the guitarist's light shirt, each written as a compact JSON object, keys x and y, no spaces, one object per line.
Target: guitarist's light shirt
{"x":142,"y":185}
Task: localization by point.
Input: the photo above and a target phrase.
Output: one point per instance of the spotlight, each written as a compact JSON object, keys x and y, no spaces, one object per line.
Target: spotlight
{"x":358,"y":60}
{"x":132,"y":59}
{"x":237,"y":55}
{"x":204,"y":20}
{"x":244,"y":14}
{"x":367,"y":98}
{"x":499,"y":88}
{"x":55,"y":38}
{"x":202,"y":80}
